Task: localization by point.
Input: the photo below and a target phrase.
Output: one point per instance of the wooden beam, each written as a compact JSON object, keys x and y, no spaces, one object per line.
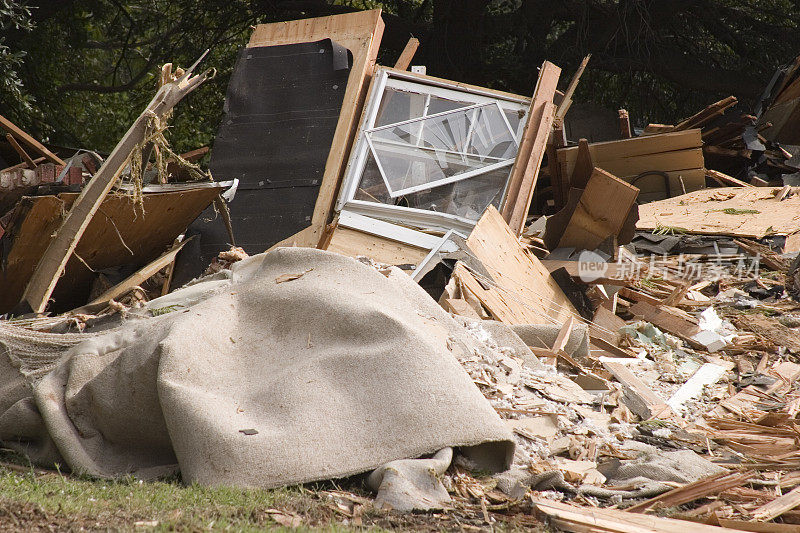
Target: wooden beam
{"x":140,"y":276}
{"x":566,"y":517}
{"x":404,"y":61}
{"x":52,"y":263}
{"x":21,"y":151}
{"x":724,"y":179}
{"x":637,"y":396}
{"x":24,"y":164}
{"x":525,"y":171}
{"x":778,"y":506}
{"x":11,"y":128}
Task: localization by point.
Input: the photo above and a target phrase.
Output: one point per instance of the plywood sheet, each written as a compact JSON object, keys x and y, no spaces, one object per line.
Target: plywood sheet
{"x":361,"y":33}
{"x":117,"y":235}
{"x":724,"y":211}
{"x":521,"y":290}
{"x":353,"y":243}
{"x":600,"y":213}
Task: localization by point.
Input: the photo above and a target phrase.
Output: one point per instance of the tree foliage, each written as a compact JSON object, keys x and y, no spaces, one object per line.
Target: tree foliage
{"x":77,"y":72}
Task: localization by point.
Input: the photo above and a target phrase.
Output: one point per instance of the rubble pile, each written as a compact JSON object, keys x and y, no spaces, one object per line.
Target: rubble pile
{"x":628,"y":310}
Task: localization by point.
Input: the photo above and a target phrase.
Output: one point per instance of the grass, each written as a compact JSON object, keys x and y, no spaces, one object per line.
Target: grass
{"x":37,"y":500}
{"x":158,"y":506}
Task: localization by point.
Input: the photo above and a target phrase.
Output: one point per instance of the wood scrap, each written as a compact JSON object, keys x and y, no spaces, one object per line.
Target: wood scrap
{"x":601,"y":212}
{"x":135,"y":279}
{"x":778,"y":506}
{"x":594,"y":520}
{"x":520,"y":290}
{"x":11,"y":128}
{"x":639,"y":398}
{"x":725,"y":180}
{"x":404,"y":61}
{"x":702,"y":488}
{"x":625,"y":131}
{"x":733,"y":211}
{"x":21,"y":151}
{"x":772,"y":331}
{"x":52,"y":263}
{"x":583,"y":166}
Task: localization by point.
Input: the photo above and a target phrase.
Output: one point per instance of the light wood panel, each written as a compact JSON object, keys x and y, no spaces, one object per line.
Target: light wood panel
{"x":521,"y":290}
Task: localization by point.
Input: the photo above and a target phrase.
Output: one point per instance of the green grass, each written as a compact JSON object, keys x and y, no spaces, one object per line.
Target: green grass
{"x":159,"y":506}
{"x":37,"y":500}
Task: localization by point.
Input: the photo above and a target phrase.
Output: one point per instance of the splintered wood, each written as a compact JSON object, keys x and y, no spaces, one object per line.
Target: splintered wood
{"x":520,"y":289}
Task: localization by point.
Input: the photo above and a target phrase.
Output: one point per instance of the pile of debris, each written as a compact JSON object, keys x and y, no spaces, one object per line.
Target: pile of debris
{"x":602,"y":335}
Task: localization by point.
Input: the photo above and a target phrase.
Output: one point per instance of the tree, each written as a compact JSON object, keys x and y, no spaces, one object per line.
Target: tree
{"x":89,"y":66}
{"x":15,"y":18}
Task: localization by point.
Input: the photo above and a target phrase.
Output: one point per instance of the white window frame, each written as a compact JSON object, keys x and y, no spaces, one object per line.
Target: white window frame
{"x":421,"y":218}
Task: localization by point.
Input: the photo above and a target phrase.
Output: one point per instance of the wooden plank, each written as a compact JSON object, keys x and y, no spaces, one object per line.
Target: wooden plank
{"x":595,"y":520}
{"x":726,"y":211}
{"x":360,"y":32}
{"x":140,"y":276}
{"x":637,"y":396}
{"x":404,"y":61}
{"x":601,"y":211}
{"x":687,"y":159}
{"x":24,"y":164}
{"x":758,"y":527}
{"x":517,"y":275}
{"x":778,"y":506}
{"x":625,"y":124}
{"x":21,"y":151}
{"x":653,"y":129}
{"x":563,"y":335}
{"x":566,"y":101}
{"x":698,"y":120}
{"x":525,"y":171}
{"x":666,"y":320}
{"x":702,"y":488}
{"x":725,"y":179}
{"x":612,"y":273}
{"x":638,"y":146}
{"x":354,"y":243}
{"x":54,"y":260}
{"x":583,"y":166}
{"x":12,"y":128}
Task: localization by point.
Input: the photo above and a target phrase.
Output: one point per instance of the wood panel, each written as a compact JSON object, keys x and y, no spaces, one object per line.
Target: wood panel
{"x":704,"y":212}
{"x":650,"y":144}
{"x":117,"y":235}
{"x":360,"y":32}
{"x":600,"y":213}
{"x":525,"y":172}
{"x":521,"y":290}
{"x":353,"y":243}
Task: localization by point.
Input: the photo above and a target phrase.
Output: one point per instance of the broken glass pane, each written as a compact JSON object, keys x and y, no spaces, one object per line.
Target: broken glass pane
{"x":438,"y":149}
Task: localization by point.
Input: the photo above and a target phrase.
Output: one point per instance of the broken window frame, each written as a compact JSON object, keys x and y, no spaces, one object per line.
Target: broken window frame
{"x":405,"y":81}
